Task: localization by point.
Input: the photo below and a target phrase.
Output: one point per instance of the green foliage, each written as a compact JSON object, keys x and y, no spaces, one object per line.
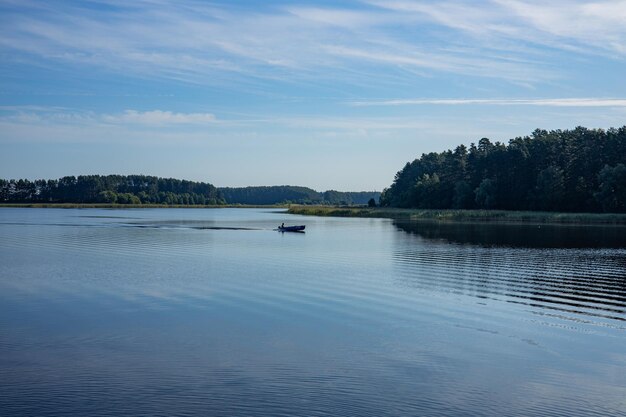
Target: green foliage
{"x":505,"y":216}
{"x":107,"y":197}
{"x":269,"y":195}
{"x":288,"y":194}
{"x":463,"y":195}
{"x":141,"y":189}
{"x":486,"y":194}
{"x":110,"y":189}
{"x":612,"y":193}
{"x":550,"y":188}
{"x":561,"y":170}
{"x":128,"y":198}
{"x":425,"y":192}
{"x":371,"y":203}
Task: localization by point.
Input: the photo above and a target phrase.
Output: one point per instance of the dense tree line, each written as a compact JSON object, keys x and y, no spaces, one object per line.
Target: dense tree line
{"x":113,"y":189}
{"x":579,"y":170}
{"x":142,"y":189}
{"x":292,"y":194}
{"x":349,"y":198}
{"x":268,"y":195}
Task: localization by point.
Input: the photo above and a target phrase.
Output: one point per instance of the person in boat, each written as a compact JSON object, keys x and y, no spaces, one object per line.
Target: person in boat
{"x":282,"y":225}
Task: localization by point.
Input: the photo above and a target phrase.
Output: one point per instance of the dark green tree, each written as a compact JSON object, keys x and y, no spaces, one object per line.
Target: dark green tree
{"x":547,"y":170}
{"x":550,"y":189}
{"x":612,"y":191}
{"x":463,"y":196}
{"x":486,"y":194}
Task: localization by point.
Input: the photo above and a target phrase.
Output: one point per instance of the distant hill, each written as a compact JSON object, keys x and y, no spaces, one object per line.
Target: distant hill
{"x":143,"y":189}
{"x":281,"y":194}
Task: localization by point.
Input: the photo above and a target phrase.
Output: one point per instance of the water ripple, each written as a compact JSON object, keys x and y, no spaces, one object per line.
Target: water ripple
{"x":168,"y":312}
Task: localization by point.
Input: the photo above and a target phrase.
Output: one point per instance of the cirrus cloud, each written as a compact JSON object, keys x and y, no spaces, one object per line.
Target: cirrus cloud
{"x":54,"y":115}
{"x":160,"y":117}
{"x":549,"y":102}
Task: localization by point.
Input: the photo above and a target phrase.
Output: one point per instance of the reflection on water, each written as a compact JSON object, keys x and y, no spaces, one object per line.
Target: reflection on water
{"x":213,"y":312}
{"x":554,"y":268}
{"x":519,"y":235}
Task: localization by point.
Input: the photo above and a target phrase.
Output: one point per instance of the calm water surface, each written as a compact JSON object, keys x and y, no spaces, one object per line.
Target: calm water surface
{"x":211,"y":312}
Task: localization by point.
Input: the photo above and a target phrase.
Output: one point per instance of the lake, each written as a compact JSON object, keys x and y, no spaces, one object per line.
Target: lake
{"x":212,"y":312}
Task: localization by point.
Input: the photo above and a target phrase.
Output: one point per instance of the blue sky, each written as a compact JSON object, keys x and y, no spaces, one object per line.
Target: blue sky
{"x":325,"y":94}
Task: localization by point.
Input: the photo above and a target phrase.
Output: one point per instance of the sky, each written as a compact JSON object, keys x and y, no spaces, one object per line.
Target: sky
{"x":325,"y":94}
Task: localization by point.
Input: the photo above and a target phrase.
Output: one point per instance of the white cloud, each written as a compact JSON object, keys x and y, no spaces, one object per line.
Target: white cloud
{"x":582,"y":21}
{"x":201,"y":43}
{"x":347,"y":123}
{"x":572,"y":25}
{"x":32,"y":108}
{"x":160,"y":117}
{"x":340,"y":18}
{"x":131,"y":119}
{"x":57,"y":116}
{"x":550,"y":102}
{"x":465,"y":61}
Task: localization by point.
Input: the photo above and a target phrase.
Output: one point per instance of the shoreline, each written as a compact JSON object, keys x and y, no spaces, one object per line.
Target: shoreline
{"x":131,"y":206}
{"x":445,"y":215}
{"x":470,"y":216}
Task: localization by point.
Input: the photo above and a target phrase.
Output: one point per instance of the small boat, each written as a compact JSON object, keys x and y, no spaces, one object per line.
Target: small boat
{"x":283,"y":228}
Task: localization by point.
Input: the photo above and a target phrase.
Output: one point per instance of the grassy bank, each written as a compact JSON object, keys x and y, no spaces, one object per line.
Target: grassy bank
{"x":126,"y":206}
{"x":502,"y":216}
{"x":463,"y":215}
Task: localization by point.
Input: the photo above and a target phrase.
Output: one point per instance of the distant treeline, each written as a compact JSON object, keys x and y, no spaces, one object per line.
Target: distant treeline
{"x":142,"y":189}
{"x":580,"y":170}
{"x":111,"y":189}
{"x":284,"y":194}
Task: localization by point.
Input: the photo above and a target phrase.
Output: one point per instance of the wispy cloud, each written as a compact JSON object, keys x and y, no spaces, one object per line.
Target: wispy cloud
{"x":55,"y":115}
{"x":213,"y":44}
{"x":160,"y":117}
{"x":33,"y":108}
{"x":349,"y":19}
{"x":581,"y":25}
{"x":45,"y":124}
{"x":550,"y":102}
{"x":600,"y":23}
{"x":32,"y":115}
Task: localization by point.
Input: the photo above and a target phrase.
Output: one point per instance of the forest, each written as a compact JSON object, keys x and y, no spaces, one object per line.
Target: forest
{"x":285,"y":194}
{"x":110,"y":189}
{"x":578,"y":170}
{"x":142,"y":189}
